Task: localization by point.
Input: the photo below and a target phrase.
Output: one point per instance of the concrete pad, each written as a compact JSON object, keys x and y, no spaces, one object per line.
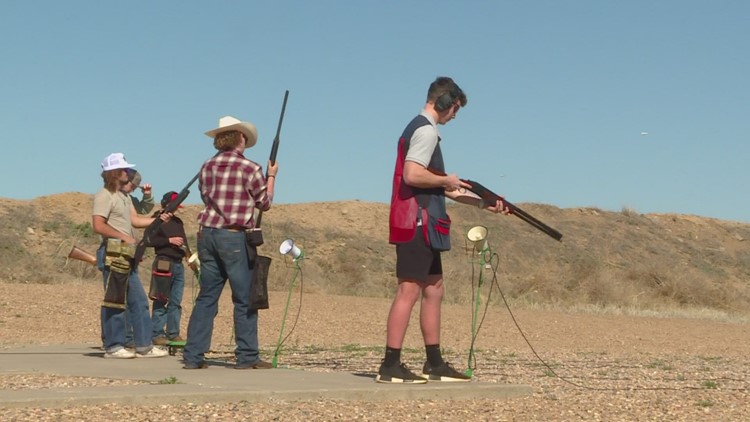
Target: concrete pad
{"x":217,"y":383}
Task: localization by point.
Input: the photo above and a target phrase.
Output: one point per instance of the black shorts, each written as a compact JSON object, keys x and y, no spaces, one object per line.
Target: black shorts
{"x":415,"y":260}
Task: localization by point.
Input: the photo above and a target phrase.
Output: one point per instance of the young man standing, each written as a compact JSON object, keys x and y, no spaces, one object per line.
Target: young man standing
{"x":420,"y":183}
{"x":114,"y":218}
{"x":231,"y":187}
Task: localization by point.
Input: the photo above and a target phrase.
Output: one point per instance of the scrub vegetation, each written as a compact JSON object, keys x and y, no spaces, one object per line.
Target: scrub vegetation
{"x":608,"y":261}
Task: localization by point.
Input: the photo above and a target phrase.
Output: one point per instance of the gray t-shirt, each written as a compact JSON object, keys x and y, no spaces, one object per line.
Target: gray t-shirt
{"x":423,"y":143}
{"x":115,"y":208}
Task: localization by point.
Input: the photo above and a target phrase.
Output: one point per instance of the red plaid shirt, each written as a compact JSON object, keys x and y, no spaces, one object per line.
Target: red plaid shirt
{"x":232,"y":187}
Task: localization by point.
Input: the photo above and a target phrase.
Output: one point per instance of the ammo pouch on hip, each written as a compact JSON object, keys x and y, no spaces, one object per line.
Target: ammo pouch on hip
{"x":116,"y":248}
{"x":254,"y":237}
{"x":161,"y":279}
{"x":116,"y":292}
{"x":436,"y":228}
{"x":259,"y":282}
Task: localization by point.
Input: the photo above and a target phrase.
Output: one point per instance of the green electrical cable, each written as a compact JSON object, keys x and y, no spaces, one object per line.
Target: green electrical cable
{"x":274,"y":361}
{"x":475,"y":315}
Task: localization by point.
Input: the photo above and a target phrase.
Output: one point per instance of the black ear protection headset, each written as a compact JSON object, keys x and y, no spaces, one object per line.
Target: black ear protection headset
{"x":446,"y":100}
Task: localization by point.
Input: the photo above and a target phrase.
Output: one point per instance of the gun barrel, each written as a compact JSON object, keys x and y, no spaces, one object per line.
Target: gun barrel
{"x":487,"y":194}
{"x":274,"y":150}
{"x":523,"y":215}
{"x":275,"y":146}
{"x":171,"y":207}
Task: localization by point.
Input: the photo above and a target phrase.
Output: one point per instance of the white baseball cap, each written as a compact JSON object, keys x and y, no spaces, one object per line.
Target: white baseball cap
{"x":116,"y":161}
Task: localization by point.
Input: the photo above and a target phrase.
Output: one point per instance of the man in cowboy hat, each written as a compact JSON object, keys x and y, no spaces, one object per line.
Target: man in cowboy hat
{"x":231,"y":187}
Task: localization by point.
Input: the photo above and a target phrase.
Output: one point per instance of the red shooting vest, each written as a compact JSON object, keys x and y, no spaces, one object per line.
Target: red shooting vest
{"x":404,"y":205}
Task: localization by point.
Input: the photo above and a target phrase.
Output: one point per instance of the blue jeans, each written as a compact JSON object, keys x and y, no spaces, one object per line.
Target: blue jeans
{"x":113,"y":320}
{"x":223,"y":255}
{"x":100,"y":253}
{"x":169,"y":313}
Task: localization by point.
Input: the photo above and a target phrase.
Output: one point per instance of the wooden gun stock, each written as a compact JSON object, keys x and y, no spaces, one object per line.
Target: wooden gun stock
{"x":492,"y":197}
{"x":81,"y":255}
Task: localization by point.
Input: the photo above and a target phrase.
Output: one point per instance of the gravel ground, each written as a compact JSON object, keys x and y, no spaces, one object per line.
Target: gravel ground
{"x":581,"y":367}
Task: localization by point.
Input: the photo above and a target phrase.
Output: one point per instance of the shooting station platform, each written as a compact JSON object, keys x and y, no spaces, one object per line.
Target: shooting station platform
{"x":173,"y":346}
{"x":218,"y":382}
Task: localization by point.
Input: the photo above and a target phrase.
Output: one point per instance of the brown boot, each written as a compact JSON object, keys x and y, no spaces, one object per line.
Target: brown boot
{"x":160,"y":341}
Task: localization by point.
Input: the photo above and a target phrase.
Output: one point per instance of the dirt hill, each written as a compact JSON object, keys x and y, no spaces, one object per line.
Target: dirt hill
{"x":616,"y":260}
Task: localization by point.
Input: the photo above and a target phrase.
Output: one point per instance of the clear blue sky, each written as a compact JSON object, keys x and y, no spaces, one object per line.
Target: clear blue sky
{"x":610,"y":104}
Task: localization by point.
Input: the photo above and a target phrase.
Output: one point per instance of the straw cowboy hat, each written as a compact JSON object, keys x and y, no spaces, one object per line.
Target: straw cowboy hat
{"x":228,"y":123}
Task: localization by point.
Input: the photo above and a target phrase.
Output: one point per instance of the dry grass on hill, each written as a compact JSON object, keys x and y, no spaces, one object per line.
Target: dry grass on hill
{"x":622,"y":261}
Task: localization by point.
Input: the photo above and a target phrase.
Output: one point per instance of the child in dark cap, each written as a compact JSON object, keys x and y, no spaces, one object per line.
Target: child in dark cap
{"x":168,"y":276}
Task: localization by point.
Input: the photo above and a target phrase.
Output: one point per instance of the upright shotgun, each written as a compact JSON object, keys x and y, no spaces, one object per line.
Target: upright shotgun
{"x":151,"y":229}
{"x":256,"y":236}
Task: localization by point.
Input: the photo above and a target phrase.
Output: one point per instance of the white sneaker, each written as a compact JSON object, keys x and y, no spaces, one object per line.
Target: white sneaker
{"x":155,"y":352}
{"x":120,"y":354}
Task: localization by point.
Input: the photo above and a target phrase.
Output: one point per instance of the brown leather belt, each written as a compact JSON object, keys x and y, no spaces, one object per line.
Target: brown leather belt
{"x":234,"y":229}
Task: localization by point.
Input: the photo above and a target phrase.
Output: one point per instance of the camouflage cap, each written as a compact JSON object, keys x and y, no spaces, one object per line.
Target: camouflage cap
{"x":134,"y":177}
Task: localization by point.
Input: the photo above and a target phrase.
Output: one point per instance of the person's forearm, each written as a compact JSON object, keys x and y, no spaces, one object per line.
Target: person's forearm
{"x":419,"y":177}
{"x":140,"y":221}
{"x":270,"y":187}
{"x":146,"y":205}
